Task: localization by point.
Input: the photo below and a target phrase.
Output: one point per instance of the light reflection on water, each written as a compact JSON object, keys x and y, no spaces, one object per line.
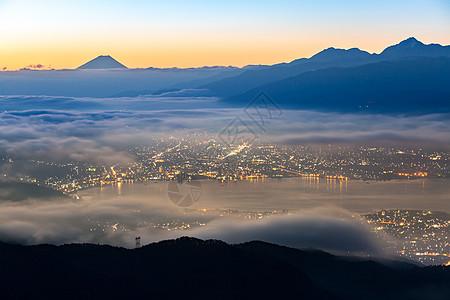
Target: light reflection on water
{"x":296,"y":194}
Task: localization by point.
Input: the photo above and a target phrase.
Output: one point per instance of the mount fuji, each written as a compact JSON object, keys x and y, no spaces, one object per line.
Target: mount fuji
{"x":103,"y":62}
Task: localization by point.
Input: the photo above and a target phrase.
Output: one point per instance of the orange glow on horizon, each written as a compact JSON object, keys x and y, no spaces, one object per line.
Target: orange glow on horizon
{"x":238,"y":52}
{"x":203,"y":33}
{"x":163,"y":57}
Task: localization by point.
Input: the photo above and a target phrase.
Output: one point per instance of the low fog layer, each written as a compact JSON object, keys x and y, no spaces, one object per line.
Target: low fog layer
{"x":123,"y":217}
{"x":313,"y":218}
{"x":105,"y":83}
{"x":102,"y":129}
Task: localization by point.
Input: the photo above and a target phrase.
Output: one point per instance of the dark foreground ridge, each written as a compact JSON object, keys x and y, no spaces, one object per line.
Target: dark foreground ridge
{"x":189,"y":268}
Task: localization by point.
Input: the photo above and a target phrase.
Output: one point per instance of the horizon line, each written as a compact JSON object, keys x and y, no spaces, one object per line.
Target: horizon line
{"x":41,"y":67}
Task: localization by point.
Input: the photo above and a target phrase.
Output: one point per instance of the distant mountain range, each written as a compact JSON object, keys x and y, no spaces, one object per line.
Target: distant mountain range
{"x":407,"y":77}
{"x":327,"y":58}
{"x":188,"y":268}
{"x":407,"y":85}
{"x":414,"y":48}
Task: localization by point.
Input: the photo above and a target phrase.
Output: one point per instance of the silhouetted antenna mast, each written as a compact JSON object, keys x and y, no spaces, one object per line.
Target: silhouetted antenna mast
{"x":138,"y":242}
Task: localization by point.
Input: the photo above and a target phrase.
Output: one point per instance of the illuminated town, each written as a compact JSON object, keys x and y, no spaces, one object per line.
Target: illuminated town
{"x":418,"y":235}
{"x":164,"y":159}
{"x":421,"y":236}
{"x":188,"y":219}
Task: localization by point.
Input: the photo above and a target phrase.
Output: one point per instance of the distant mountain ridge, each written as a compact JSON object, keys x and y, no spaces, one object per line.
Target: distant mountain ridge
{"x":410,"y":85}
{"x":333,"y":54}
{"x":110,"y":78}
{"x":327,"y":58}
{"x":411,"y":47}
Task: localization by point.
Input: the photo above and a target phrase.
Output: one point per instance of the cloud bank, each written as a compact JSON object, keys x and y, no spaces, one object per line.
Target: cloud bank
{"x":101,"y":129}
{"x":96,"y":220}
{"x":317,"y":229}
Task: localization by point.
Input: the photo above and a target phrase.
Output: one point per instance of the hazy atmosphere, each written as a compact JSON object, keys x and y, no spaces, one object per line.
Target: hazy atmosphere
{"x":286,"y":149}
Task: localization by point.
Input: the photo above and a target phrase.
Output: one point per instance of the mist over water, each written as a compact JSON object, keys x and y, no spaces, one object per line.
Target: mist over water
{"x":224,"y":150}
{"x":116,"y":214}
{"x":100,"y":131}
{"x":315,"y":212}
{"x":297,"y":193}
{"x":304,"y":193}
{"x":334,"y":206}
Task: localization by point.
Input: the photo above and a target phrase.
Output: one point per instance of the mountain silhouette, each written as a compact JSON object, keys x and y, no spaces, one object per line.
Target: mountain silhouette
{"x":412,"y":47}
{"x":327,"y":58}
{"x":102,"y":62}
{"x":333,"y":54}
{"x":188,"y":268}
{"x":253,"y":78}
{"x":400,"y":86}
{"x":223,"y":82}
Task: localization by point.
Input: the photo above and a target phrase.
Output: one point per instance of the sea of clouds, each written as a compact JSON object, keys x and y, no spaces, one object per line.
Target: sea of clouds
{"x":101,"y":130}
{"x":94,"y":129}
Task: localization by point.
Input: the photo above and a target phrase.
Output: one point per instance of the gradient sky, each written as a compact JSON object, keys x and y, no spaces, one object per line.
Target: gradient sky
{"x":66,"y":34}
